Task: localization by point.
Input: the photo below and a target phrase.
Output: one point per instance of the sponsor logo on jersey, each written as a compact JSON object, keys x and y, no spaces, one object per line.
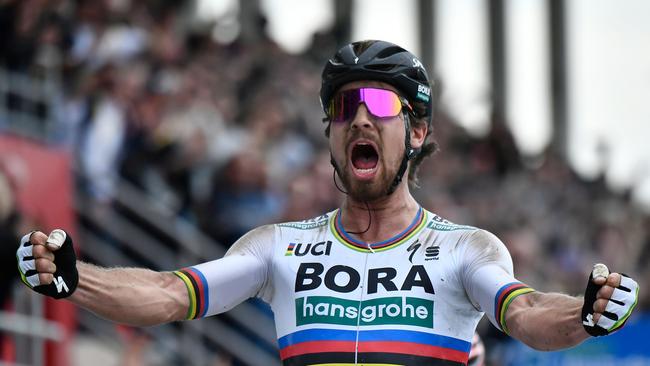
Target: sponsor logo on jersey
{"x":307,"y":224}
{"x":431,"y":253}
{"x":302,"y":249}
{"x":412,"y":249}
{"x":311,"y":276}
{"x":384,"y":310}
{"x":440,"y":224}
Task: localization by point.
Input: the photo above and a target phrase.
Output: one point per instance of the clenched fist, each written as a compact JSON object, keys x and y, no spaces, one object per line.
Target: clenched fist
{"x":48,"y":264}
{"x":609,"y":301}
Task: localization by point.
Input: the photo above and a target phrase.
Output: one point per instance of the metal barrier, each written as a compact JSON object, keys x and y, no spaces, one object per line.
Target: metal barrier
{"x":249,"y":333}
{"x":27,"y":103}
{"x":36,"y":327}
{"x":193,"y":247}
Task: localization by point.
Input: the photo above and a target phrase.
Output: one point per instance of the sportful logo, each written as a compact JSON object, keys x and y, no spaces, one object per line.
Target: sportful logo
{"x":386,"y":310}
{"x":431,"y":253}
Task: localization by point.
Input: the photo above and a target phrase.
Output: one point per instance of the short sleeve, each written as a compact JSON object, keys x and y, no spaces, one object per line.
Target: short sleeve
{"x":487,"y":274}
{"x":217,"y":286}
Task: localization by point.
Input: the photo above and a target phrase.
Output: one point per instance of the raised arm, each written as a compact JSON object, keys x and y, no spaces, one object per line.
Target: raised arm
{"x":551,"y":321}
{"x":544,"y":321}
{"x":138,"y":296}
{"x":133,"y":296}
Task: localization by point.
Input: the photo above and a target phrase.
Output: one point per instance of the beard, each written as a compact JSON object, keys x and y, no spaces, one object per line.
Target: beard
{"x":368,"y":190}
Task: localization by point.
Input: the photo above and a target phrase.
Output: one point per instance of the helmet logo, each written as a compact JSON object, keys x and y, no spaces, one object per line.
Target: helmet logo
{"x":424,"y":93}
{"x":417,"y":63}
{"x":356,"y":60}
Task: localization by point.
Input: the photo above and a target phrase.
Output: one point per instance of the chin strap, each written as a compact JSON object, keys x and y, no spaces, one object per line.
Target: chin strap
{"x":336,"y":167}
{"x":409,"y":154}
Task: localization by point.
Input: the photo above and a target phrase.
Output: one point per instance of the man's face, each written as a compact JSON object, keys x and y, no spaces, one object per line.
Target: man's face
{"x":367,"y":150}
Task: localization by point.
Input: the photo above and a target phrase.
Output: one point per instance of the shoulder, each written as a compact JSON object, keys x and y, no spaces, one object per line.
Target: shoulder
{"x":307,"y":224}
{"x":254,"y":241}
{"x":439,"y":223}
{"x":484,"y":248}
{"x":467,"y":239}
{"x":261,"y":240}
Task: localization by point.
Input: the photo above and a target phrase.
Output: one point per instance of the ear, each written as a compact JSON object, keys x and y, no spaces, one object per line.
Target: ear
{"x":418,"y":134}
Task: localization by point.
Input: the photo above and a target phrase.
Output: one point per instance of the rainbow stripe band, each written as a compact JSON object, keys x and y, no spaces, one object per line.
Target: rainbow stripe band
{"x":388,"y":346}
{"x":196,"y":290}
{"x":336,"y":226}
{"x":504,"y":297}
{"x":290,"y":249}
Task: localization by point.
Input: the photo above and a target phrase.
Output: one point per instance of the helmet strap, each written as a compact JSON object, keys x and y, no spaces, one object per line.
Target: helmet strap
{"x":336,"y":168}
{"x":409,"y":154}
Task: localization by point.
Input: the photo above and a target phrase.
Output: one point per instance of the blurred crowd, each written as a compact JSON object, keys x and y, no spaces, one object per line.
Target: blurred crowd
{"x":230,"y":136}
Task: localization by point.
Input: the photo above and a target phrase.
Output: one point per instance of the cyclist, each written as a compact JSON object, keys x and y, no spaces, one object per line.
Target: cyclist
{"x":379,"y":280}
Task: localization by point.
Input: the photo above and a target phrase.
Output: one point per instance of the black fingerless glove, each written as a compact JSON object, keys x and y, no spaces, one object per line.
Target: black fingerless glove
{"x":618,"y":309}
{"x":66,"y":277}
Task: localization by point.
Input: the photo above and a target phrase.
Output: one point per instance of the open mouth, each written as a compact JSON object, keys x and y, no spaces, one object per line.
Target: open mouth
{"x":364,"y":158}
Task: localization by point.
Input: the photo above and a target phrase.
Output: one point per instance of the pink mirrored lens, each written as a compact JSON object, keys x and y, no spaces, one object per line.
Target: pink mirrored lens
{"x":380,"y":103}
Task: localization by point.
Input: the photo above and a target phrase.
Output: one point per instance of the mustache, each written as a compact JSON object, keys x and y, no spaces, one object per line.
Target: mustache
{"x":359,"y":134}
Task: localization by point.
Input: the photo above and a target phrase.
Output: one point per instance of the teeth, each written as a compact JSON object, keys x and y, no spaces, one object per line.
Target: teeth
{"x":365,"y":170}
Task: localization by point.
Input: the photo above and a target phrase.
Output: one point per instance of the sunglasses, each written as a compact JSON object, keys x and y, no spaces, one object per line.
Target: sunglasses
{"x":381,"y":103}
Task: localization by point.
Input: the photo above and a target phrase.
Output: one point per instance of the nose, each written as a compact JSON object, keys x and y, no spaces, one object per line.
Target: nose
{"x":361,"y":118}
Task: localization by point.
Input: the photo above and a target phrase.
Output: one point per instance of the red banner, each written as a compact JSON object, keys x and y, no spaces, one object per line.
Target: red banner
{"x":44,"y":194}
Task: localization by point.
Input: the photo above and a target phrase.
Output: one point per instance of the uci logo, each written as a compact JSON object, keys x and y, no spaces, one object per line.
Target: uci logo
{"x":301,"y":249}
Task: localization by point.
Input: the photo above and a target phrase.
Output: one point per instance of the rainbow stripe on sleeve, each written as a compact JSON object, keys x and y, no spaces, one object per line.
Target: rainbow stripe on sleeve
{"x":197,"y":287}
{"x":504,"y":297}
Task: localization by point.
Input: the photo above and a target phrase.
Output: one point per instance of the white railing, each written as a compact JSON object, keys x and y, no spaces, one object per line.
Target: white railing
{"x":28,"y":103}
{"x":32,"y":113}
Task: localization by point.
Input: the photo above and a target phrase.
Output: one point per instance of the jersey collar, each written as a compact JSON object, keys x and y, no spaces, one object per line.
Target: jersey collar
{"x":339,"y":232}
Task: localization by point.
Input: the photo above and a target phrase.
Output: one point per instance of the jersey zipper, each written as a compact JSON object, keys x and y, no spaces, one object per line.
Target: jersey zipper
{"x":363,"y":282}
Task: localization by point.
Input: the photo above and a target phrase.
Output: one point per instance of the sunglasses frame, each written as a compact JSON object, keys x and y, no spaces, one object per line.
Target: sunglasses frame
{"x":403,"y":101}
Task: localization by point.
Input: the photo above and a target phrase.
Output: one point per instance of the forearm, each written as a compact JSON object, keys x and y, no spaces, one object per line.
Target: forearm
{"x":131,"y":296}
{"x":546,"y":321}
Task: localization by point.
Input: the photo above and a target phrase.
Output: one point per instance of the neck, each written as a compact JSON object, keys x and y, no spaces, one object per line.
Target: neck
{"x":389,"y":215}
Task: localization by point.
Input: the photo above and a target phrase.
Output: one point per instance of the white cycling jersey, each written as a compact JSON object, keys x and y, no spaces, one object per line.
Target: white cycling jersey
{"x":414,"y":299}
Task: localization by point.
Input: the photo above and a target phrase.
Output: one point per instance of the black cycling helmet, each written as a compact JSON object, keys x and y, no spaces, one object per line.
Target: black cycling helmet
{"x":380,"y":61}
{"x":389,"y":63}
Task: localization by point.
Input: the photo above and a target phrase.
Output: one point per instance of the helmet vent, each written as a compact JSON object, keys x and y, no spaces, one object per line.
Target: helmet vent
{"x":389,"y":51}
{"x":380,"y":67}
{"x":361,"y":47}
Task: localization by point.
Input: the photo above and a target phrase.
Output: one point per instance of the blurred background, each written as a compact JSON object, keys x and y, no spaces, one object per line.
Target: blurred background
{"x":172,"y":127}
